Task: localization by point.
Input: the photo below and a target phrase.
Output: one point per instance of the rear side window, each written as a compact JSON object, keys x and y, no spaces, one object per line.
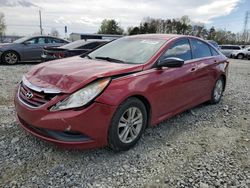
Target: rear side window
{"x":180,"y":49}
{"x":200,"y":49}
{"x":33,"y":41}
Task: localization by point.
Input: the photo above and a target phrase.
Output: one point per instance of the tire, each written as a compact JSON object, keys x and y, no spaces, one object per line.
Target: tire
{"x":123,"y":134}
{"x":10,"y":58}
{"x":217,"y":91}
{"x":240,"y":56}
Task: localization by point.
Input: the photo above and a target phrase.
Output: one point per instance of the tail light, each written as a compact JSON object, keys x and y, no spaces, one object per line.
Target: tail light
{"x":59,"y":55}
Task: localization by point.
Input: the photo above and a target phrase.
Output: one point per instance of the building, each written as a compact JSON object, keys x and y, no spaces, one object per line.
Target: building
{"x":81,"y":36}
{"x":8,"y":38}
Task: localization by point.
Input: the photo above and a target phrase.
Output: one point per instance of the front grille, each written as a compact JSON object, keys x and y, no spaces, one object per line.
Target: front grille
{"x":38,"y":98}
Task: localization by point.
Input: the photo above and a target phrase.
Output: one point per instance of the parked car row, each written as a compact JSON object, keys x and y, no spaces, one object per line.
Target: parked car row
{"x":235,"y":51}
{"x":44,"y":48}
{"x":72,"y":49}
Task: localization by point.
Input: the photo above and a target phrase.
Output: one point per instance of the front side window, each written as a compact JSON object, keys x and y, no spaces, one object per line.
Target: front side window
{"x":33,"y":41}
{"x":129,"y":50}
{"x":200,"y":49}
{"x":180,"y":49}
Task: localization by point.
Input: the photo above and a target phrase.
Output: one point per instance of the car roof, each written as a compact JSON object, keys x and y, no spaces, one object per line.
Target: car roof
{"x":48,"y":36}
{"x":155,"y":36}
{"x":165,"y":37}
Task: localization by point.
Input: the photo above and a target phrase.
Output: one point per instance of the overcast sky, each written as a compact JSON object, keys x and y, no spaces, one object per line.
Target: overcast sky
{"x":85,"y":16}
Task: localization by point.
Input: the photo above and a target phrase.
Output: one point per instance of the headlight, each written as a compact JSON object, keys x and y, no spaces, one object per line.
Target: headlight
{"x":82,"y":96}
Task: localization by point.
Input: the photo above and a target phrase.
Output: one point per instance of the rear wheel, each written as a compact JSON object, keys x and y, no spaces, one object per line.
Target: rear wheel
{"x":128,"y":124}
{"x":217,"y":91}
{"x":10,"y":58}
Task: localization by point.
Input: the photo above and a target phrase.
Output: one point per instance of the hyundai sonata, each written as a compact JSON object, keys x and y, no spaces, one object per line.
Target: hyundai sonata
{"x":109,"y":97}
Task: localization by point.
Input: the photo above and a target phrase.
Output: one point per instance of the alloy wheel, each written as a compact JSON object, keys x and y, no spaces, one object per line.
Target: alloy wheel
{"x":240,"y":56}
{"x":218,"y":90}
{"x":130,"y":125}
{"x":11,"y":58}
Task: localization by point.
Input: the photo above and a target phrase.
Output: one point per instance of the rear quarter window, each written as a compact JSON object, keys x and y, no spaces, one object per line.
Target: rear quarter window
{"x":214,"y":52}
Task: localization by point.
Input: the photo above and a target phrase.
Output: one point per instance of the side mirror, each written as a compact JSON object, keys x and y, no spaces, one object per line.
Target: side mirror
{"x":171,"y":62}
{"x":26,"y":42}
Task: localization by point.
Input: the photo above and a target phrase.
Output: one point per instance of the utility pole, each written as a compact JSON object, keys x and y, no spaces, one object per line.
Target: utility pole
{"x":245,"y":28}
{"x":41,"y":28}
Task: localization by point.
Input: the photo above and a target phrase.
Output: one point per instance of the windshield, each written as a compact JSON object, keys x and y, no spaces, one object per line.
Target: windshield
{"x":74,"y":44}
{"x":128,"y":50}
{"x":21,"y":40}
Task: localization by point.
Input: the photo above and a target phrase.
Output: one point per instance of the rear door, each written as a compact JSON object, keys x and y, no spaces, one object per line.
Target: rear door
{"x":204,"y":57}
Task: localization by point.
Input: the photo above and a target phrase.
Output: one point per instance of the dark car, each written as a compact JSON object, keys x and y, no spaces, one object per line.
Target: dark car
{"x":72,"y":49}
{"x":110,"y":96}
{"x":27,"y":49}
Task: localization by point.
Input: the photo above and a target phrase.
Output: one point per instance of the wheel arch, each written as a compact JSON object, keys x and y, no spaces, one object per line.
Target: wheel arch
{"x":146,"y":103}
{"x":18,"y":54}
{"x":241,"y":54}
{"x":223,"y":76}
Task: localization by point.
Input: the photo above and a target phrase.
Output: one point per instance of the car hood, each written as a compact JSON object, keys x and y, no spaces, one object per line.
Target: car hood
{"x":2,"y":44}
{"x":70,"y":74}
{"x":7,"y":45}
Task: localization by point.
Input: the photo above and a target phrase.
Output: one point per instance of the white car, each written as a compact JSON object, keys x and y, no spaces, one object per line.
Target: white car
{"x":241,"y":54}
{"x":228,"y":50}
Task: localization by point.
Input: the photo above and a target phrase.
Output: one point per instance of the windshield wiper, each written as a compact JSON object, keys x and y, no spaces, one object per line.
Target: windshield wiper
{"x":110,"y":59}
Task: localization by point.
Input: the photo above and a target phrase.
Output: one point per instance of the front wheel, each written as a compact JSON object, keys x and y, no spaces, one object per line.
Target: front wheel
{"x":10,"y":58}
{"x":217,"y":91}
{"x":240,"y":56}
{"x":128,"y":124}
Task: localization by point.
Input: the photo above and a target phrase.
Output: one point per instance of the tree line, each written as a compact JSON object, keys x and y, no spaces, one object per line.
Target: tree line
{"x":183,"y":25}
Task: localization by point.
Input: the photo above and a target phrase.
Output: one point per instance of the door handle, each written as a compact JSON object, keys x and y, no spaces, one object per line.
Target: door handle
{"x":193,"y":69}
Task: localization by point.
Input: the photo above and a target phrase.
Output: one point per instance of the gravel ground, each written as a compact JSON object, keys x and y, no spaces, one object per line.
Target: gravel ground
{"x":208,"y":146}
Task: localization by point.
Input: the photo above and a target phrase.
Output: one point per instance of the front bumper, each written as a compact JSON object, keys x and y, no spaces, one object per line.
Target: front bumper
{"x":70,"y":129}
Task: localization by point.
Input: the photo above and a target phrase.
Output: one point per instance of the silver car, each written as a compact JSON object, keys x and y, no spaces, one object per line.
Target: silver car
{"x":27,"y":48}
{"x":227,"y":50}
{"x":241,"y":54}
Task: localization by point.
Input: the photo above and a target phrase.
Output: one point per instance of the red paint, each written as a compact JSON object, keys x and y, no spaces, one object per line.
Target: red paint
{"x":168,"y":91}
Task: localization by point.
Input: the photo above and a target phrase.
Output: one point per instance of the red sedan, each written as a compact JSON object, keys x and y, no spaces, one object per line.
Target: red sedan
{"x":111,"y":95}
